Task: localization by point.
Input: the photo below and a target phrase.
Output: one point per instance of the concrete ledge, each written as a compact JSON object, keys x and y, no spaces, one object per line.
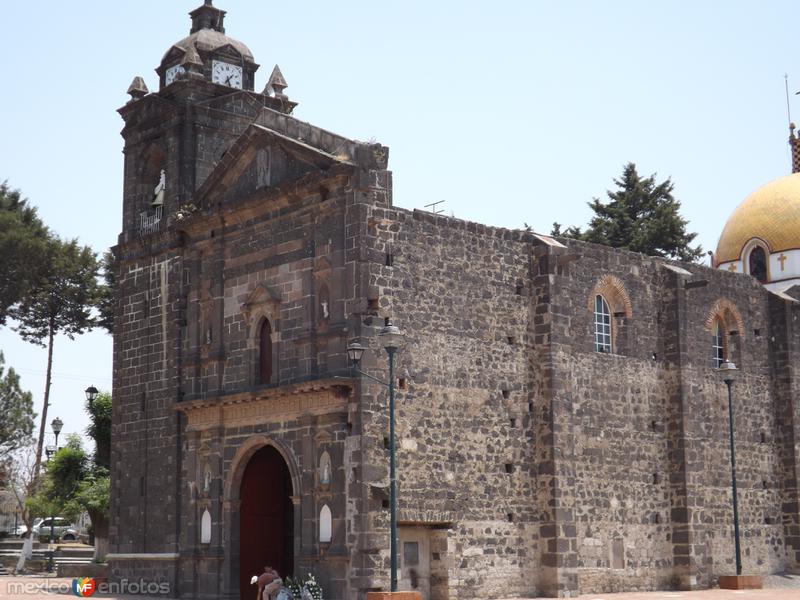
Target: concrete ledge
{"x":143,"y":556}
{"x":93,"y":570}
{"x":740,"y":582}
{"x":394,"y":596}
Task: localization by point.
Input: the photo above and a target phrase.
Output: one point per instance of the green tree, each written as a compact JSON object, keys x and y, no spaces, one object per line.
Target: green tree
{"x":23,"y":242}
{"x":100,"y":428}
{"x":61,"y":302}
{"x":75,"y":483}
{"x":66,"y":471}
{"x":107,"y":296}
{"x":16,"y":406}
{"x":93,"y":494}
{"x":641,"y":215}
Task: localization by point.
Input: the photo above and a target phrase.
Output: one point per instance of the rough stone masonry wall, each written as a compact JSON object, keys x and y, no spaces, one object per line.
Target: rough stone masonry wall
{"x":458,"y":290}
{"x":620,"y":402}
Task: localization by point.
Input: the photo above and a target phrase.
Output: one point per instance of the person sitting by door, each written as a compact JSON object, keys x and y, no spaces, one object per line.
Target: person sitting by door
{"x":269,"y":584}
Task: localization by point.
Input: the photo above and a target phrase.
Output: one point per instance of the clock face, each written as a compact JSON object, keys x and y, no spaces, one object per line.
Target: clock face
{"x":172,"y":73}
{"x":226,"y":74}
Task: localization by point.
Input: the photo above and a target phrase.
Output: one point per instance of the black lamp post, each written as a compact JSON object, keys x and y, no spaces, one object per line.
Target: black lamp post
{"x":390,"y":337}
{"x":728,"y":372}
{"x":57,"y":424}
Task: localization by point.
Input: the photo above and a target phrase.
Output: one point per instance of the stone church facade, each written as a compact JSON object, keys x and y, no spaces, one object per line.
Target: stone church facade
{"x":560,"y":425}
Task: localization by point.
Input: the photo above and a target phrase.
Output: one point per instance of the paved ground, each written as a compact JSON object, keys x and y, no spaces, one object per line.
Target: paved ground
{"x":779,"y":588}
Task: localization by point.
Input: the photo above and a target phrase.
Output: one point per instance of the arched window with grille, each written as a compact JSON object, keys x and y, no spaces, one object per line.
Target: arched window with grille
{"x":265,"y":353}
{"x":602,"y":325}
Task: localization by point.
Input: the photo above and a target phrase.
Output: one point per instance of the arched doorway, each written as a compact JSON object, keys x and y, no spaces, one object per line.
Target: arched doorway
{"x":266,"y":518}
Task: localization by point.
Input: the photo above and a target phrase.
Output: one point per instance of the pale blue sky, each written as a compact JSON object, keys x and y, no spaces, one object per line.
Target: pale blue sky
{"x":512,"y":112}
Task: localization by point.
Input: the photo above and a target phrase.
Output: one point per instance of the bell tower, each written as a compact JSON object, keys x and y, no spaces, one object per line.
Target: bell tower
{"x":175,"y":136}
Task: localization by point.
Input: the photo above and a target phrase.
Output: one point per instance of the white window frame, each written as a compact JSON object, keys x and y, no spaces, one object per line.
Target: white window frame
{"x":602,"y":326}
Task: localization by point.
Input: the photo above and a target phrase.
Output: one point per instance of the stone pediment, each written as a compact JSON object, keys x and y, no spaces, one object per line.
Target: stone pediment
{"x":261,"y":295}
{"x":262,"y":158}
{"x":173,"y":55}
{"x":229,"y":51}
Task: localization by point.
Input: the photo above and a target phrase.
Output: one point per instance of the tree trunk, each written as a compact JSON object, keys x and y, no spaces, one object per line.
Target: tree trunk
{"x":26,"y":552}
{"x":48,"y":380}
{"x":100,"y":527}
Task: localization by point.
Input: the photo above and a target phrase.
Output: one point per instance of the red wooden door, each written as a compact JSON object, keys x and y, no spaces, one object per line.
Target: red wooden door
{"x":266,"y":533}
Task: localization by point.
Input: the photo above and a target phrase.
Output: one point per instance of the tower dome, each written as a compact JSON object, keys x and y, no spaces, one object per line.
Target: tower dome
{"x":209,"y":52}
{"x":762,"y":236}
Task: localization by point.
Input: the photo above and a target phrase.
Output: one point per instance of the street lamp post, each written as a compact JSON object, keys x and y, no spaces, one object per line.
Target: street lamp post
{"x":728,"y":372}
{"x":57,"y":425}
{"x":391,"y":338}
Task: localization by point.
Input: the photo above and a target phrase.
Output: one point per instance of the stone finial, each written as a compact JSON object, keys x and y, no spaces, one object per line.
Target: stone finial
{"x":137,"y":89}
{"x":276,"y":84}
{"x":192,"y":63}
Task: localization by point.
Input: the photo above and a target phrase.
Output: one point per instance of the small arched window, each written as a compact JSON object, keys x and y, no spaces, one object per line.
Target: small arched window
{"x":758,"y":264}
{"x":265,"y":353}
{"x":602,"y":325}
{"x":718,"y":345}
{"x":205,"y":528}
{"x":325,"y":525}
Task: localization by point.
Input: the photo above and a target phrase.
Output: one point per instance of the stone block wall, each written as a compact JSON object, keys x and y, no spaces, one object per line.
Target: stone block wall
{"x":460,"y":291}
{"x":631,"y":496}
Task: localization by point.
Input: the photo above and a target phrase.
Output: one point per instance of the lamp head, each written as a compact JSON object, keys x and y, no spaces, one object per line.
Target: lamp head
{"x":727,"y":371}
{"x":354,"y":352}
{"x":57,"y":424}
{"x":91,"y":393}
{"x":391,"y":337}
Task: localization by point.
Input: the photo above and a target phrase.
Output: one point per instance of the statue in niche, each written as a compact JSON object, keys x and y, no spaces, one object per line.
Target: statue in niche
{"x":158,"y":191}
{"x":325,"y":469}
{"x":325,"y":303}
{"x":206,"y":479}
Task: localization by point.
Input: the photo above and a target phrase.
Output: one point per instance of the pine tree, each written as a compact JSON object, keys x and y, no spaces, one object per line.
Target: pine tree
{"x":61,"y":302}
{"x":23,"y":242}
{"x":640,"y":215}
{"x":16,"y":406}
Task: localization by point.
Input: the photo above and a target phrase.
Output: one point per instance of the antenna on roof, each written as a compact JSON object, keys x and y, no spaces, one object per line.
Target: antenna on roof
{"x":433,"y":206}
{"x":786,"y":82}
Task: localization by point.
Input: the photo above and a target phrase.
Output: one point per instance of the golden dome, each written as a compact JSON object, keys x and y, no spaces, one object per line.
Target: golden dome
{"x":771,"y":213}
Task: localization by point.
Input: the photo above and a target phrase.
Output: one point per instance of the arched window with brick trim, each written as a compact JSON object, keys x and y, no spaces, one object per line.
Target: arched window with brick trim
{"x":610,"y":306}
{"x":265,"y":353}
{"x":725,"y":324}
{"x":602,"y":325}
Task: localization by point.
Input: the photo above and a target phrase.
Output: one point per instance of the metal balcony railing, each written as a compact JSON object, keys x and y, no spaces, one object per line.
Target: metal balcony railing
{"x":149,"y":220}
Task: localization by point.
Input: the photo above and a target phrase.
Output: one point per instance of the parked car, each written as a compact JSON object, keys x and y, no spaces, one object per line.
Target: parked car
{"x":21,"y":529}
{"x":62,"y":530}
